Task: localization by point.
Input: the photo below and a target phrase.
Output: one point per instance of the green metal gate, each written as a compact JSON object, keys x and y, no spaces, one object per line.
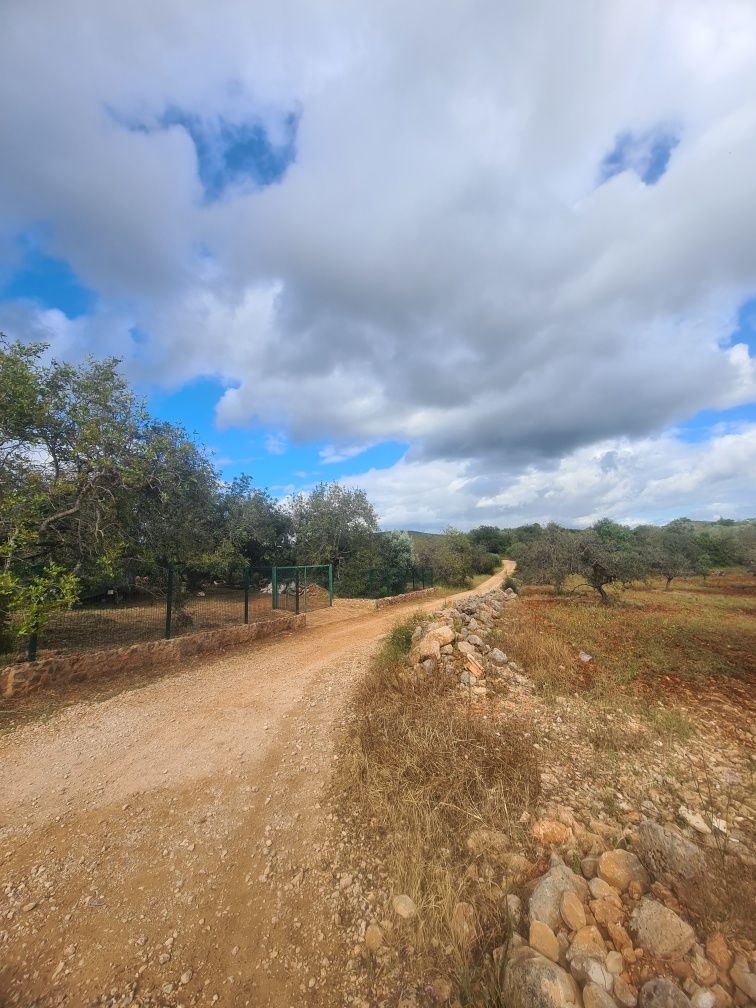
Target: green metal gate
{"x":302,"y":589}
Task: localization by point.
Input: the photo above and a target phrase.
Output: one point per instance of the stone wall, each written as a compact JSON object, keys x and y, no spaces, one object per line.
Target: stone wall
{"x":381,"y":603}
{"x":62,"y":670}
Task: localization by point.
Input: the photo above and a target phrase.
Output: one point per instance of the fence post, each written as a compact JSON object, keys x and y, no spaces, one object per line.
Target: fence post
{"x":330,"y":584}
{"x":31,"y":647}
{"x":274,"y":586}
{"x":169,"y":602}
{"x":246,"y":595}
{"x":296,"y":591}
{"x":305,"y":589}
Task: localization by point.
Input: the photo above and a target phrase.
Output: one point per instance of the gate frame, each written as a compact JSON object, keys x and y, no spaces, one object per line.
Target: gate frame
{"x":297,"y":568}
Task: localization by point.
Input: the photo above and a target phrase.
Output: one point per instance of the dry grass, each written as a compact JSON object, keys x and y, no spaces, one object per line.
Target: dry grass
{"x":696,"y":631}
{"x":418,"y":771}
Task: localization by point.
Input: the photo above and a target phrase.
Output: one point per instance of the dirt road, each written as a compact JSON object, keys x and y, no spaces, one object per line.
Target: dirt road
{"x":167,"y":845}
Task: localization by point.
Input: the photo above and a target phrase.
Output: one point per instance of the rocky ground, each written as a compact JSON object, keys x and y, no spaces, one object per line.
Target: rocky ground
{"x":180,"y":844}
{"x":634,"y":885}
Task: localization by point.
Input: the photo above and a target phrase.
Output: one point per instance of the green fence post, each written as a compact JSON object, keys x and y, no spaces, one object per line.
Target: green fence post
{"x":274,"y":586}
{"x":169,"y":602}
{"x":330,"y":584}
{"x":246,"y":595}
{"x":305,"y":589}
{"x":296,"y":592}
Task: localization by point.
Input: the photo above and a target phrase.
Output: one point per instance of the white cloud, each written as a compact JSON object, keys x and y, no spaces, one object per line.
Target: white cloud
{"x":331,"y":454}
{"x":634,"y":481}
{"x":440,"y":265}
{"x":275,"y":444}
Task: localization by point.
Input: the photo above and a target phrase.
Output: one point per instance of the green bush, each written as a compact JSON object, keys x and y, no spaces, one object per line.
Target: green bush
{"x":509,"y":582}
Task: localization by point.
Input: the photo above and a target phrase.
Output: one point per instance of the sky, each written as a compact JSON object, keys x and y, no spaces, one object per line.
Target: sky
{"x":492,"y":262}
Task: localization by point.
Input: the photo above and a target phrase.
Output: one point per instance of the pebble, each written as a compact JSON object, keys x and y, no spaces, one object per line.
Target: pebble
{"x":404,"y":906}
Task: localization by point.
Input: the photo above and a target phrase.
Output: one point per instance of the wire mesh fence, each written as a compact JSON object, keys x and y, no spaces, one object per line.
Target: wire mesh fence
{"x":168,"y":604}
{"x":383,"y":582}
{"x":303,"y":589}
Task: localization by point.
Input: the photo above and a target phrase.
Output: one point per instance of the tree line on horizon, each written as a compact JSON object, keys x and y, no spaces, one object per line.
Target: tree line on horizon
{"x":608,"y":553}
{"x":94,"y":491}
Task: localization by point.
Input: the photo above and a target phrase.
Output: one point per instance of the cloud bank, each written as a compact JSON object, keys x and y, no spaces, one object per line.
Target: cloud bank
{"x":513,"y":236}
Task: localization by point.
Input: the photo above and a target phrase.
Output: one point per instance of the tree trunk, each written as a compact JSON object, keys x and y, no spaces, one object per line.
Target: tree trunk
{"x":602,"y":595}
{"x":669,"y":582}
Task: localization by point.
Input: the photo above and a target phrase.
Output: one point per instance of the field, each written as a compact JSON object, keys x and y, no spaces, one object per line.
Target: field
{"x":659,"y":717}
{"x":698,"y":631}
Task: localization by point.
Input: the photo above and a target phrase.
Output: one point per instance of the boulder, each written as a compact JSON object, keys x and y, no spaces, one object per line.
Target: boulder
{"x":659,"y":930}
{"x":671,"y":858}
{"x":498,"y":657}
{"x":533,"y":981}
{"x":744,"y":981}
{"x":661,"y":993}
{"x":624,"y":993}
{"x":620,"y":867}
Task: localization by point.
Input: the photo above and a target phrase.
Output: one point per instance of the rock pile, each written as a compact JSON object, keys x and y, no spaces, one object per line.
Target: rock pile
{"x":615,"y":933}
{"x":608,"y":927}
{"x":455,"y":643}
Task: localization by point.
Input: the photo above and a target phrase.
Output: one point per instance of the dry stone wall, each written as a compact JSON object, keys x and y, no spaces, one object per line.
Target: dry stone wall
{"x":382,"y":603}
{"x":63,"y":670}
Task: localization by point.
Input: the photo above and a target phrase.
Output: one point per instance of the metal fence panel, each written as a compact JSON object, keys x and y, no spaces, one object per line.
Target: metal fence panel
{"x":169,"y":604}
{"x":303,"y":589}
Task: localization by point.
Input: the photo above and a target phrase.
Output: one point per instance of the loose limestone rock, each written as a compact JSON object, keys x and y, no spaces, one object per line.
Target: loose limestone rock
{"x":587,"y":941}
{"x":546,"y":898}
{"x":533,"y":981}
{"x":404,"y":906}
{"x":373,"y":938}
{"x":543,"y":940}
{"x":661,"y":993}
{"x":660,"y":931}
{"x":625,"y":993}
{"x":596,"y":997}
{"x":464,"y":923}
{"x":620,"y":867}
{"x":550,"y":831}
{"x":671,"y":858}
{"x":588,"y":969}
{"x":572,"y":911}
{"x":744,"y":981}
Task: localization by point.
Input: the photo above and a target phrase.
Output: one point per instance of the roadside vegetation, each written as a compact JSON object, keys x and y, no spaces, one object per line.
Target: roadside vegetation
{"x":417,"y":773}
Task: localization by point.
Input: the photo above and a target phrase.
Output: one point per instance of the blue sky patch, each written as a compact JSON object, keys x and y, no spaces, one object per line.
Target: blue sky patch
{"x":262,"y":452}
{"x":647,"y":154}
{"x":228,"y":153}
{"x":48,"y":282}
